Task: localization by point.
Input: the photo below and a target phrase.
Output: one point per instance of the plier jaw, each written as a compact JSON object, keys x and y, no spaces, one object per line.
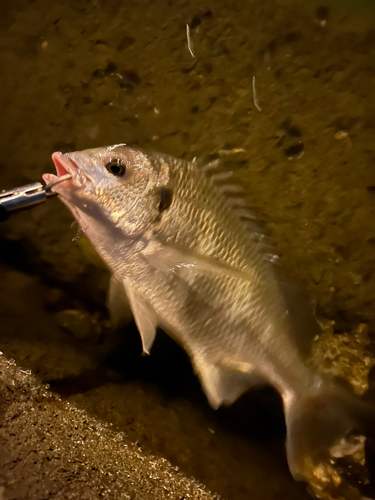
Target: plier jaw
{"x":26,"y":196}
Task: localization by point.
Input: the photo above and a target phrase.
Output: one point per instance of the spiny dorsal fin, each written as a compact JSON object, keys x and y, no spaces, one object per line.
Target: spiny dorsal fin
{"x":297,"y":301}
{"x":221,"y":174}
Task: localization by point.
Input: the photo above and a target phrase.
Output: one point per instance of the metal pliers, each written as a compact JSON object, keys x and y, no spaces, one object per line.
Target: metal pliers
{"x":26,"y":196}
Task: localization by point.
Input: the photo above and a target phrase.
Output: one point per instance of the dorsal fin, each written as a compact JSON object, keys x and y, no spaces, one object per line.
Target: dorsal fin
{"x":221,"y":174}
{"x":297,"y":302}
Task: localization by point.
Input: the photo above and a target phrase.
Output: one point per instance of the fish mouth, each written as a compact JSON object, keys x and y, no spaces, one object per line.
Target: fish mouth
{"x":65,"y":166}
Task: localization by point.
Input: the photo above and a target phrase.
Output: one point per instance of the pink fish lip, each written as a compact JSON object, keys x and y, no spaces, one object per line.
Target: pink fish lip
{"x":65,"y":166}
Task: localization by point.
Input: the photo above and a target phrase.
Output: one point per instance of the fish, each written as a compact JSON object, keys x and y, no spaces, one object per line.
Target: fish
{"x":187,"y":256}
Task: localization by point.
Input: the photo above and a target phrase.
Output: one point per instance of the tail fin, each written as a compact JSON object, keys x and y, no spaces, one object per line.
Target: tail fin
{"x":319,"y":426}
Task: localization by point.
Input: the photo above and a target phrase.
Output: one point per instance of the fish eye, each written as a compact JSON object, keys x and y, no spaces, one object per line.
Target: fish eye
{"x":116,"y":167}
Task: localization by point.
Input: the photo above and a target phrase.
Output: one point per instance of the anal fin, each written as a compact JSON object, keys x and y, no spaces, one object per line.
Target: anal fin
{"x":223,"y":385}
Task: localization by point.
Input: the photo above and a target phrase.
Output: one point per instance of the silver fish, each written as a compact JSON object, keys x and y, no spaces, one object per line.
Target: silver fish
{"x":185,"y":255}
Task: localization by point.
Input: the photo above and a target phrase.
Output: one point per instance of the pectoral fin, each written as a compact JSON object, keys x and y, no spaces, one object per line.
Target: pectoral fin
{"x":144,"y":316}
{"x":164,"y":257}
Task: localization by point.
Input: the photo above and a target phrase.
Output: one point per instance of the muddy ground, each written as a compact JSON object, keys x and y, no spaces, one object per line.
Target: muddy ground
{"x":83,"y":414}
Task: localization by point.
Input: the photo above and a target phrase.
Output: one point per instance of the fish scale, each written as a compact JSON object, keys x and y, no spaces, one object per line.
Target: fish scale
{"x":210,"y":224}
{"x":225,"y":241}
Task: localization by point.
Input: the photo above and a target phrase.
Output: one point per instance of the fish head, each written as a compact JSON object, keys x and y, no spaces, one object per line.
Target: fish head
{"x":117,"y":185}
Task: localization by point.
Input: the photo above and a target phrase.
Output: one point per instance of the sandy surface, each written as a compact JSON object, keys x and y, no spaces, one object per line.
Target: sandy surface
{"x":49,"y":448}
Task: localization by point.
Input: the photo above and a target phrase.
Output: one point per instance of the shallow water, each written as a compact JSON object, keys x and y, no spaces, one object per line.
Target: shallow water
{"x":101,"y":72}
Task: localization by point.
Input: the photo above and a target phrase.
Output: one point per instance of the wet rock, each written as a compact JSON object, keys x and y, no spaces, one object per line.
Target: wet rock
{"x":57,"y":300}
{"x":49,"y":447}
{"x":291,"y":128}
{"x":130,"y":76}
{"x":294,"y":151}
{"x":322,"y":13}
{"x":77,"y":322}
{"x":293,"y":36}
{"x":219,"y":50}
{"x":110,"y":69}
{"x":195,"y":22}
{"x":101,"y":42}
{"x":126,"y":42}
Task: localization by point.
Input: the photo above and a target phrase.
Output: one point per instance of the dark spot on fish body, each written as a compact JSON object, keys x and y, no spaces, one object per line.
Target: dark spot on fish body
{"x":166,"y":196}
{"x":165,"y":200}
